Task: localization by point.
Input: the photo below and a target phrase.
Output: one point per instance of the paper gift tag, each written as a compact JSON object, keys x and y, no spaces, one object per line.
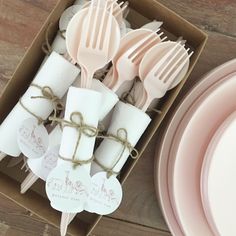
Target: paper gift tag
{"x":32,"y":138}
{"x":67,"y":187}
{"x":67,"y":15}
{"x":105,"y":195}
{"x":49,"y":162}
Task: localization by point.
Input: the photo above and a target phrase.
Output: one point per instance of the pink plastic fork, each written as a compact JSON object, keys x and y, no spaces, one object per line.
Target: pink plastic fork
{"x":127,"y":65}
{"x":163,"y":74}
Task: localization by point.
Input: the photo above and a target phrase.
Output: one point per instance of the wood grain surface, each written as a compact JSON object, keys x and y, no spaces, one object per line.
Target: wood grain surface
{"x":140,"y":213}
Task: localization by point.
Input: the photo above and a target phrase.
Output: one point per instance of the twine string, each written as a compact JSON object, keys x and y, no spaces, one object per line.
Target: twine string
{"x":46,"y":46}
{"x":122,"y":138}
{"x":47,"y":93}
{"x":61,"y":33}
{"x":40,"y":119}
{"x":77,"y":122}
{"x":77,"y":163}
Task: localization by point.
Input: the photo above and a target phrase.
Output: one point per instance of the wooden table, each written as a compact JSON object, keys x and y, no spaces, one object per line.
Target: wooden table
{"x":139,"y":214}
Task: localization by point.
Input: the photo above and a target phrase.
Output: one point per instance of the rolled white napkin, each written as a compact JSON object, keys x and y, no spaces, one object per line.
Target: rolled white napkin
{"x":58,"y":74}
{"x":109,"y":99}
{"x":59,"y":44}
{"x":87,"y":103}
{"x":129,"y":118}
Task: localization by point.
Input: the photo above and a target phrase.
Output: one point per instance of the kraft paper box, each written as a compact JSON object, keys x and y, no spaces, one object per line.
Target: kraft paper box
{"x":142,"y":11}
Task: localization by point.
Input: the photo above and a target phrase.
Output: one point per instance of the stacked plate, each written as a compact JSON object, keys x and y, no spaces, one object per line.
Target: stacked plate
{"x":196,"y":161}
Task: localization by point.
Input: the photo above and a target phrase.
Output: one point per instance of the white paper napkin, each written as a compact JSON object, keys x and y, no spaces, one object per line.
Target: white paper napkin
{"x":58,"y":74}
{"x":88,"y":103}
{"x":135,"y":122}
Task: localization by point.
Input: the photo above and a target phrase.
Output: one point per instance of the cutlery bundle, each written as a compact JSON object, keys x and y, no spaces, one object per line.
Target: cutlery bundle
{"x":92,"y":133}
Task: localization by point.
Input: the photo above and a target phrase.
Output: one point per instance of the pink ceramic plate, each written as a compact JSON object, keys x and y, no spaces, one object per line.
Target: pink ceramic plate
{"x":163,"y":149}
{"x":218,"y":179}
{"x":187,"y":153}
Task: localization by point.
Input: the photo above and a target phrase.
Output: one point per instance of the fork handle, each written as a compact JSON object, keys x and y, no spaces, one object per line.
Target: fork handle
{"x":89,"y":79}
{"x":83,"y":78}
{"x":117,"y":85}
{"x":147,"y":103}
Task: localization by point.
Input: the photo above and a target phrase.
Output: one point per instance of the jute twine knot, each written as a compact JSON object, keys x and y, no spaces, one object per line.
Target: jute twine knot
{"x":77,"y":122}
{"x":122,"y":138}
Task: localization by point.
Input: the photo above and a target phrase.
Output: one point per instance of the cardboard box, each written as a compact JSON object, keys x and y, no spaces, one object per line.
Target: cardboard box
{"x":142,"y":12}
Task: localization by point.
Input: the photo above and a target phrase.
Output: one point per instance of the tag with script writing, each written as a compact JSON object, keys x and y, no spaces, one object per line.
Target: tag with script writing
{"x":67,"y":187}
{"x":105,"y":195}
{"x":49,"y":161}
{"x":33,"y":139}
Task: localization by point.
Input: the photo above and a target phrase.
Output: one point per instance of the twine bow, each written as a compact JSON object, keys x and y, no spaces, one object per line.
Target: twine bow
{"x":122,"y":138}
{"x":47,"y":93}
{"x":77,"y":122}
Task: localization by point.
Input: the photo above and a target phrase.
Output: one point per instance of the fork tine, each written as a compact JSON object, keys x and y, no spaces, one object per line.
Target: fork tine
{"x":173,"y":57}
{"x":95,"y":21}
{"x":163,"y":39}
{"x":117,"y":7}
{"x":85,"y":36}
{"x":138,"y":57}
{"x":141,"y":43}
{"x":86,"y":4}
{"x":170,"y":79}
{"x":166,"y":78}
{"x":126,"y":11}
{"x":101,"y":28}
{"x":110,"y":3}
{"x":163,"y":60}
{"x":107,"y":40}
{"x":139,"y":50}
{"x":121,"y":10}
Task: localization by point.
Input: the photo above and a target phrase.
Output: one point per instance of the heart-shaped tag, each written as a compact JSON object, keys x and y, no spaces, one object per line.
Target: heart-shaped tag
{"x":33,"y":139}
{"x":67,"y":187}
{"x":49,"y":162}
{"x":105,"y":195}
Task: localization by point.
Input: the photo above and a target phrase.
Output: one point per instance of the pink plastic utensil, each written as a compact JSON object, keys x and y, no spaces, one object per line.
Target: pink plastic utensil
{"x":127,"y":65}
{"x":100,"y":32}
{"x":131,"y":38}
{"x":98,"y":41}
{"x":164,"y":73}
{"x":118,"y":8}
